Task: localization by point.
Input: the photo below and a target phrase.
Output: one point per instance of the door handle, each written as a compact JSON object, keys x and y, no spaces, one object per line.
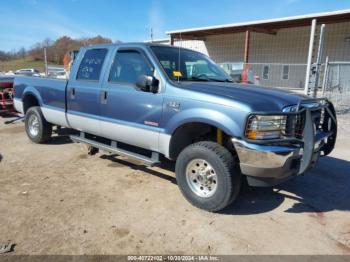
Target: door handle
{"x":104,"y":97}
{"x":72,"y":93}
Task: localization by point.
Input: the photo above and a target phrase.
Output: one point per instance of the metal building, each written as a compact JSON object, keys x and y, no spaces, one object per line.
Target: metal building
{"x":276,"y":50}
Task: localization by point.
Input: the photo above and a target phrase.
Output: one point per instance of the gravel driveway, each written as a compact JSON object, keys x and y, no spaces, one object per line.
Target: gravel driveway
{"x":56,"y":199}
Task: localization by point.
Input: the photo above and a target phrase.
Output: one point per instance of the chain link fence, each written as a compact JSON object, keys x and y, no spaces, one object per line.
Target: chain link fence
{"x":334,"y":80}
{"x":280,"y":60}
{"x":336,"y":85}
{"x":282,"y":75}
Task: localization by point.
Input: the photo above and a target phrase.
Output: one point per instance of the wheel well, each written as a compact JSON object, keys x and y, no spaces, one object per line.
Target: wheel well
{"x":194,"y":132}
{"x":29,"y":101}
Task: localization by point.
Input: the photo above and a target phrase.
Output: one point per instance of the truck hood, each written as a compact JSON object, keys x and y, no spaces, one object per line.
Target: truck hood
{"x":258,"y":98}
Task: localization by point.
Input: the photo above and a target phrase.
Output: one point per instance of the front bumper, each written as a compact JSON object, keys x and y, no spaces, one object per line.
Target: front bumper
{"x":267,"y":165}
{"x":270,"y":164}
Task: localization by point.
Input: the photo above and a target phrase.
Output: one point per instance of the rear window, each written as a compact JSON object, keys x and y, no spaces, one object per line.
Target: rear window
{"x":91,"y":65}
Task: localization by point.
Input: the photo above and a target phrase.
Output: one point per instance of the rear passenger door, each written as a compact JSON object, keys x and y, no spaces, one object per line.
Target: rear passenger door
{"x":130,"y":115}
{"x":83,"y":91}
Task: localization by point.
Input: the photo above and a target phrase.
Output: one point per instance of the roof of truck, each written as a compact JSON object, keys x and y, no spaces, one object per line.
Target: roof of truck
{"x":134,"y":45}
{"x":128,"y":44}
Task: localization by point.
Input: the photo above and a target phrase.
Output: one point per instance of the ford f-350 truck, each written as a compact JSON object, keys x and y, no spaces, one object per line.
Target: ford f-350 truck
{"x":148,"y":101}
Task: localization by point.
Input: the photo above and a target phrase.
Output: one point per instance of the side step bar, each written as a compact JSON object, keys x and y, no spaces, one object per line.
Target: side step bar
{"x":113,"y":148}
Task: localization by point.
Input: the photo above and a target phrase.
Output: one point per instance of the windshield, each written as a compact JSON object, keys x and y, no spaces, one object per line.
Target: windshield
{"x":186,"y":65}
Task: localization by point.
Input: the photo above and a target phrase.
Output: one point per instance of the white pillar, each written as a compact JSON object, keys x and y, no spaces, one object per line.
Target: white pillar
{"x":309,"y":58}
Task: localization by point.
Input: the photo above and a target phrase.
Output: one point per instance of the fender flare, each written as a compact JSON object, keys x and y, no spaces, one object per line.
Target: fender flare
{"x":30,"y":91}
{"x":205,"y":116}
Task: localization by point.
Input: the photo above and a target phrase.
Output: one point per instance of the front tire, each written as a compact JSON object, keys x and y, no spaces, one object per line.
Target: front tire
{"x":208,"y":176}
{"x":37,"y":128}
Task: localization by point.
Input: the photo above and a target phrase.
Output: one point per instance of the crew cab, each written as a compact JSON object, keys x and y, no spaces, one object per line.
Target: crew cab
{"x":149,"y":101}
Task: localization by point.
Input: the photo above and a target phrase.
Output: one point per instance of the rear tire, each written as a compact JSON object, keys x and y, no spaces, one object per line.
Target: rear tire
{"x":208,"y":176}
{"x":37,"y":128}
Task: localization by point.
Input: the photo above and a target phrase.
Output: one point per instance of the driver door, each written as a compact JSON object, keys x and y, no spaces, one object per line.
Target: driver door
{"x":130,"y":115}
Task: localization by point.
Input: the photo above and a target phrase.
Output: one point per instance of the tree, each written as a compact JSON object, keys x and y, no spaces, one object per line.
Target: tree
{"x":56,"y":50}
{"x":22,"y":52}
{"x":98,"y":40}
{"x":3,"y":56}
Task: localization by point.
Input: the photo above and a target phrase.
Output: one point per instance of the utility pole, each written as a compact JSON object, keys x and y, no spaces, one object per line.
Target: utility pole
{"x":45,"y":58}
{"x":152,"y":34}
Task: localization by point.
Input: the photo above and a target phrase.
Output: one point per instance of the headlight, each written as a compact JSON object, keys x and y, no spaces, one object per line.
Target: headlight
{"x":265,"y":127}
{"x":290,"y":109}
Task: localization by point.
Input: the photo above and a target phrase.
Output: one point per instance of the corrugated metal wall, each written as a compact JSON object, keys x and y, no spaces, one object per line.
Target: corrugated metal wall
{"x":288,"y":47}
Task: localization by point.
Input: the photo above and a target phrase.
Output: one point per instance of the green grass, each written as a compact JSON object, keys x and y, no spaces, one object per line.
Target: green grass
{"x":20,"y":64}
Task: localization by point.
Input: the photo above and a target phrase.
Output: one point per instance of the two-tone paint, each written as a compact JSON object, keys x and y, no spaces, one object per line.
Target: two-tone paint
{"x":124,"y":113}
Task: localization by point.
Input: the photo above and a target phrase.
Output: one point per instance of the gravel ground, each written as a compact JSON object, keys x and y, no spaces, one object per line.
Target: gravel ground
{"x":56,"y":199}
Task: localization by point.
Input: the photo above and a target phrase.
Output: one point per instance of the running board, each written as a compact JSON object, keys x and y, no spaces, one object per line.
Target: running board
{"x":113,"y":148}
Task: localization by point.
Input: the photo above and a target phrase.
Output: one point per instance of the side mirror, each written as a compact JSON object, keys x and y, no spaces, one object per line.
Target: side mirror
{"x":148,"y":84}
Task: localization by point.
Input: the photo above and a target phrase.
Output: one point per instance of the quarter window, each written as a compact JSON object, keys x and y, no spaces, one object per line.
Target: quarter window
{"x":91,"y":65}
{"x":128,"y":66}
{"x":266,"y":70}
{"x":285,"y":72}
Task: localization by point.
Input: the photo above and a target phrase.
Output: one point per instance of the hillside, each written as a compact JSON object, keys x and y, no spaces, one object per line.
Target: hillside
{"x":56,"y":52}
{"x":21,"y":63}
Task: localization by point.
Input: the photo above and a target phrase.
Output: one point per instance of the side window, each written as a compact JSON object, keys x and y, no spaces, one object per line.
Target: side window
{"x":285,"y":72}
{"x":128,"y":66}
{"x":169,"y":66}
{"x":266,"y":70}
{"x":91,"y":65}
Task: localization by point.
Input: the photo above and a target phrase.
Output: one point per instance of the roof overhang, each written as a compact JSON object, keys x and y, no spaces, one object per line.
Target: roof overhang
{"x":269,"y":26}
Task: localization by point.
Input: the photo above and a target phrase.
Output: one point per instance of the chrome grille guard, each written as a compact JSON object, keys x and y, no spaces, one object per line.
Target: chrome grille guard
{"x":311,"y":136}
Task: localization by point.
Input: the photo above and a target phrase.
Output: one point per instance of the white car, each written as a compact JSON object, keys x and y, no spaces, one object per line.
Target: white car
{"x":61,"y":75}
{"x":28,"y":72}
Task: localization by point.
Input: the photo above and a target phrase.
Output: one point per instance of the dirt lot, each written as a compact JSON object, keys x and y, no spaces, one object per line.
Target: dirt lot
{"x":55,"y":199}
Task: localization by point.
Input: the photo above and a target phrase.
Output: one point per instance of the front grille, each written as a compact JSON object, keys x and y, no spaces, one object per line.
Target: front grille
{"x":296,"y":123}
{"x":295,"y":126}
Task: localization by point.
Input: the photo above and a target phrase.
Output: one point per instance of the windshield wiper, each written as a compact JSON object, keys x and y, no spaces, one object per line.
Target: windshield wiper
{"x":204,"y":78}
{"x":196,"y":78}
{"x":221,"y":80}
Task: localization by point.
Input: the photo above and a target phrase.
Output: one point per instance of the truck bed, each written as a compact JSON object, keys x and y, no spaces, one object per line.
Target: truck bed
{"x":52,"y":91}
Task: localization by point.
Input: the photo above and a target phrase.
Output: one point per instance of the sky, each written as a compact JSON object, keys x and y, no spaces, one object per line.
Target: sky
{"x":26,"y":22}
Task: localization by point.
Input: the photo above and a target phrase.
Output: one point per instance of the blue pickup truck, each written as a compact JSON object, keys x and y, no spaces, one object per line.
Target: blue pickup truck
{"x":149,"y":101}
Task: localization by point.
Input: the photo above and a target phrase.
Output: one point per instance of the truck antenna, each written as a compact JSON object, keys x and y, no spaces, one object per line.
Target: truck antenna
{"x":178,"y":75}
